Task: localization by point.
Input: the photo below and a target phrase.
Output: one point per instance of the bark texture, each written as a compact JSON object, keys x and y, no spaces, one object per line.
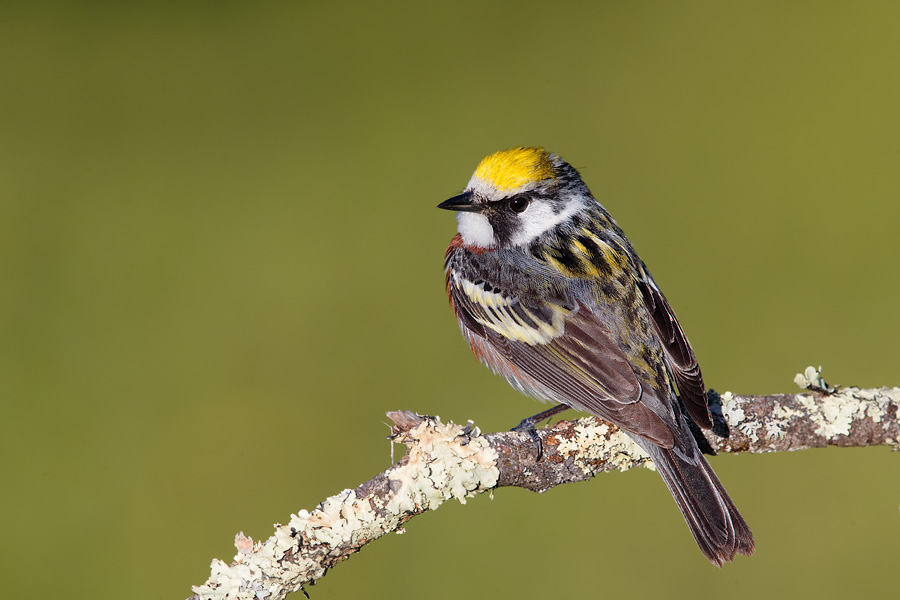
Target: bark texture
{"x":445,"y":461}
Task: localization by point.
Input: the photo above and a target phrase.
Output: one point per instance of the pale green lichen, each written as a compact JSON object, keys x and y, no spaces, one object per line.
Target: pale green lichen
{"x":786,"y":413}
{"x":777,"y":427}
{"x":732,"y":410}
{"x":834,"y":414}
{"x":749,"y":429}
{"x":340,"y":519}
{"x":811,"y":379}
{"x":442,"y":464}
{"x":593,"y":442}
{"x":877,"y":409}
{"x":774,"y":430}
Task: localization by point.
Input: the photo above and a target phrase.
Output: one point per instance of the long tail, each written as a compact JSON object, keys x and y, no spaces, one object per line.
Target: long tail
{"x":718,"y":527}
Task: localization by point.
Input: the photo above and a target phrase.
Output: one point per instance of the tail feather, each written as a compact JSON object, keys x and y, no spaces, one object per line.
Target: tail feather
{"x":715,"y":522}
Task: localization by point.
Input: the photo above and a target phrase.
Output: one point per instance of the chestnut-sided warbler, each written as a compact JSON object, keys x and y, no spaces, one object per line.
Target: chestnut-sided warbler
{"x":550,"y":294}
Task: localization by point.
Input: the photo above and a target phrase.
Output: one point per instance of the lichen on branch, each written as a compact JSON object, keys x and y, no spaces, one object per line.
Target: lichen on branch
{"x":447,"y":461}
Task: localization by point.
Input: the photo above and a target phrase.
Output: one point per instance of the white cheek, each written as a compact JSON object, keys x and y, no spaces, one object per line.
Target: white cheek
{"x":475,"y":229}
{"x":539,"y":218}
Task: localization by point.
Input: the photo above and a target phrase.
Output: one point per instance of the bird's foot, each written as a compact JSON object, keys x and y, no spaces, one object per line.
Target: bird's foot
{"x":528,"y":426}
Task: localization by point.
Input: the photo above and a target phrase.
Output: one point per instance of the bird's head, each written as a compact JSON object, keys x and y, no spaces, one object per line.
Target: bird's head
{"x":516,"y":196}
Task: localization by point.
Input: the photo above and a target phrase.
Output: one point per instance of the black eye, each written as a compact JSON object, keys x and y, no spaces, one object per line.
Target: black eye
{"x":518,"y":204}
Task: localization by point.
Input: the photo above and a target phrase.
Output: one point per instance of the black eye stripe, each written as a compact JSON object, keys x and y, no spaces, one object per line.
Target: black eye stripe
{"x":518,"y":203}
{"x":528,"y":197}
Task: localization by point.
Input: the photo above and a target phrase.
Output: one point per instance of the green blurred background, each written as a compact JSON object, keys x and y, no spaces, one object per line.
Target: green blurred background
{"x":221,"y":264}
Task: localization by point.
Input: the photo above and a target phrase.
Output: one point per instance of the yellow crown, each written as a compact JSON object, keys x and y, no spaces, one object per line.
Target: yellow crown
{"x":510,"y":169}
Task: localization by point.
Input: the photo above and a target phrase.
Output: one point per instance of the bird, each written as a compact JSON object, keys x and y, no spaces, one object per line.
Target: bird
{"x":551,"y":295}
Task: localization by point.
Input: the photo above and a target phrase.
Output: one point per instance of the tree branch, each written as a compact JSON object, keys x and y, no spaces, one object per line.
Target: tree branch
{"x":445,"y":461}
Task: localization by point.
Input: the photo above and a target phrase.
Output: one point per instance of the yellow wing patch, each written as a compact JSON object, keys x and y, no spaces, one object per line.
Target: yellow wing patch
{"x":508,"y":318}
{"x":511,"y":169}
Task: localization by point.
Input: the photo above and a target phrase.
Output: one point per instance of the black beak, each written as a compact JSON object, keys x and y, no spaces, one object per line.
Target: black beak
{"x":463,"y":203}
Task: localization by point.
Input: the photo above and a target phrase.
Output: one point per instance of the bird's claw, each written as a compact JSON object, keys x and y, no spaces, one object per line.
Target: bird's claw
{"x":527,"y":427}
